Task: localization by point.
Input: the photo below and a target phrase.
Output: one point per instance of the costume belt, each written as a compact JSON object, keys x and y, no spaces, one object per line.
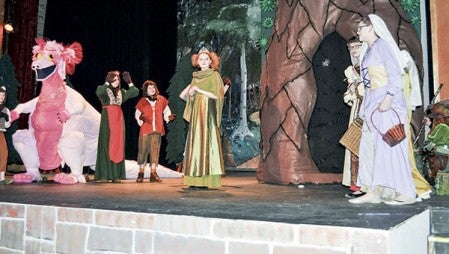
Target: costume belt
{"x":378,"y":77}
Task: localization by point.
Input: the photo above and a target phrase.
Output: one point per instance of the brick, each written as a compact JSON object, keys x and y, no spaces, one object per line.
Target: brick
{"x":311,"y":250}
{"x":255,"y":231}
{"x":76,"y":215}
{"x":33,"y":246}
{"x":71,"y":238}
{"x":245,"y":247}
{"x":164,"y":243}
{"x":188,"y":225}
{"x":323,"y":235}
{"x":12,"y":234}
{"x":110,"y":239}
{"x":12,"y":210}
{"x":124,"y":219}
{"x":39,"y":246}
{"x":40,"y":222}
{"x":143,"y":242}
{"x":48,"y":247}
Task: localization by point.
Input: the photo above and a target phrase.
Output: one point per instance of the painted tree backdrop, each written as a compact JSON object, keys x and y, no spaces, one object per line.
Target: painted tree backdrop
{"x":288,"y":85}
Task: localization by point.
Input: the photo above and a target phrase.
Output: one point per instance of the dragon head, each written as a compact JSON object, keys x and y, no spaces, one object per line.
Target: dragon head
{"x":50,"y":57}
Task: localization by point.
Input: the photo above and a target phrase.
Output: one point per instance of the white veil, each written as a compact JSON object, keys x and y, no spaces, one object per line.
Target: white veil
{"x":404,"y":59}
{"x":381,"y":29}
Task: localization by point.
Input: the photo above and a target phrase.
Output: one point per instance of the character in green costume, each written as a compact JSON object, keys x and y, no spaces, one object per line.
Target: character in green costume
{"x":111,"y":139}
{"x":203,"y":159}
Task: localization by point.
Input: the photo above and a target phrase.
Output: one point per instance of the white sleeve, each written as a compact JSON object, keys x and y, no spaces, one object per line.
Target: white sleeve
{"x":26,"y":107}
{"x":137,"y":115}
{"x":167,"y":113}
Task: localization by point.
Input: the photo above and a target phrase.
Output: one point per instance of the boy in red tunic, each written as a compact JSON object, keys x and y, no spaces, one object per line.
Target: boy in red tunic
{"x":151,"y":111}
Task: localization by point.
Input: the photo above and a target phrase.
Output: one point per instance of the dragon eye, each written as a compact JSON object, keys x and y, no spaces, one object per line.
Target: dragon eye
{"x":37,"y":55}
{"x":50,"y":56}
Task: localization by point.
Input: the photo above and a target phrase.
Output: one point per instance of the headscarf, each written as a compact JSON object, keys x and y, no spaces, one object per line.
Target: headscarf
{"x":381,"y":30}
{"x":403,"y":58}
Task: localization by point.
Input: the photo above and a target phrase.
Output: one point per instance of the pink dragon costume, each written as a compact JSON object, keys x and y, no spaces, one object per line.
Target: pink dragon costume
{"x":63,"y":126}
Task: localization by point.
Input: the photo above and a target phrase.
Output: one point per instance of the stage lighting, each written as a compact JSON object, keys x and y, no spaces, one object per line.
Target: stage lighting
{"x":8,"y":26}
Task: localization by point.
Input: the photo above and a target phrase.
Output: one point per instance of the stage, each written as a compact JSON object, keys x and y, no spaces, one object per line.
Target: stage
{"x":242,"y":214}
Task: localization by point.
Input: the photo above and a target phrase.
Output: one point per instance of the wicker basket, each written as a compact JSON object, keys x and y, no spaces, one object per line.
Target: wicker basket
{"x":395,"y":134}
{"x":351,"y":138}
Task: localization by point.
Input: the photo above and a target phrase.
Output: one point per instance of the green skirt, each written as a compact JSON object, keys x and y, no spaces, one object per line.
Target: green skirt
{"x":210,"y":181}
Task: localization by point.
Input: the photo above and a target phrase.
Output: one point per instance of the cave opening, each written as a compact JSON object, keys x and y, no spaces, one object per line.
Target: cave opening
{"x":330,"y":116}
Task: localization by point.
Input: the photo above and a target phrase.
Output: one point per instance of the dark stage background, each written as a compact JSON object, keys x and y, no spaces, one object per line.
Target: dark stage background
{"x":138,"y":36}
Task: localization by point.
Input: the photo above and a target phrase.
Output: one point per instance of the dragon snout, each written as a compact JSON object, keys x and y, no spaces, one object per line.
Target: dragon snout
{"x":43,"y":73}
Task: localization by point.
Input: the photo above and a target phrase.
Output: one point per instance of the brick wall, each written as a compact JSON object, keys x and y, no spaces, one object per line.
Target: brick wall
{"x":46,"y":229}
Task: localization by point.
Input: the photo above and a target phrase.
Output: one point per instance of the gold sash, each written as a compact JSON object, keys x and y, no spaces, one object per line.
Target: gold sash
{"x":378,"y":77}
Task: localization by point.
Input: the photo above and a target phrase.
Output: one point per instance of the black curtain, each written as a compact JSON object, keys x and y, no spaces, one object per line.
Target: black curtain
{"x":137,"y":36}
{"x":19,"y":45}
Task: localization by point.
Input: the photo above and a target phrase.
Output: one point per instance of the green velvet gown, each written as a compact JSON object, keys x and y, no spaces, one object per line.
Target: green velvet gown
{"x":203,"y":159}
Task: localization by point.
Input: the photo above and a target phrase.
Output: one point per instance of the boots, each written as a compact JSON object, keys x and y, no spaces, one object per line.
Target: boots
{"x":140,"y":177}
{"x":371,"y":197}
{"x":154,"y":178}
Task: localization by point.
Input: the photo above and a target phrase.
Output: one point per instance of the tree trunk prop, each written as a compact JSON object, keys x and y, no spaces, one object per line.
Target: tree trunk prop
{"x":288,"y":87}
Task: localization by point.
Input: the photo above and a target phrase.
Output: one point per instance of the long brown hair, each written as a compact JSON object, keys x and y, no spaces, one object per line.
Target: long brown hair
{"x":115,"y":89}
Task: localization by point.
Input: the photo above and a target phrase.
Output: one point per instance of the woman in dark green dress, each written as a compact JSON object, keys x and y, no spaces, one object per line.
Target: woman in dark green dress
{"x":111,"y":139}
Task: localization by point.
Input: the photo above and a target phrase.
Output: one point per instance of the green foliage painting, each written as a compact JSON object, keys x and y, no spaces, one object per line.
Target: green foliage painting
{"x":232,"y":29}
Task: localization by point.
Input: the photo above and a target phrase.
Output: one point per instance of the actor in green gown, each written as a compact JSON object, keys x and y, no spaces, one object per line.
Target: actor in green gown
{"x":203,"y":159}
{"x":111,"y":139}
